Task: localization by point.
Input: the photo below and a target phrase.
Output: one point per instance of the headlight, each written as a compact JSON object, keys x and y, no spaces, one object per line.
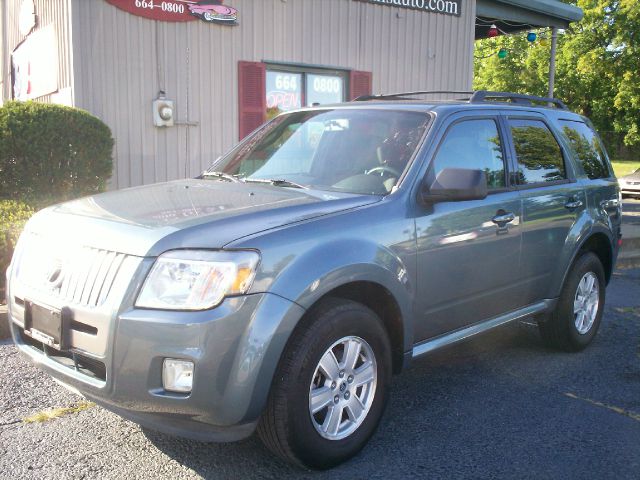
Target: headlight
{"x":197,"y":279}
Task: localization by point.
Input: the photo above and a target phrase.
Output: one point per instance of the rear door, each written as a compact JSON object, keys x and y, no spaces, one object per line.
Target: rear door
{"x":552,"y":200}
{"x":596,"y":175}
{"x":468,"y":252}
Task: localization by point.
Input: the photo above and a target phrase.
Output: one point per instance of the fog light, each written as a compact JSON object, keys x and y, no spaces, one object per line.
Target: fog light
{"x":177,"y":375}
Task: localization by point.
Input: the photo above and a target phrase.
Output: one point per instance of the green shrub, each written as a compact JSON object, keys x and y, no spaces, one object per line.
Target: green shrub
{"x":51,"y":153}
{"x":13,"y":216}
{"x":48,"y":154}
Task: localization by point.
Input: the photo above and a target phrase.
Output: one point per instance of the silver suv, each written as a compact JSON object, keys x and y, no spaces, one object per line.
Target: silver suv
{"x":281,"y":289}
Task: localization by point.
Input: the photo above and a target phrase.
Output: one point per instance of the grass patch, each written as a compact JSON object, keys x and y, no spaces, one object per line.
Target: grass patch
{"x":626,"y":310}
{"x":624,"y":167}
{"x":47,"y":415}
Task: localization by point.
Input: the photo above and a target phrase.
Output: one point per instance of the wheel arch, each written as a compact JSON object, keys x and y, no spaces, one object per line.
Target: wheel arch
{"x":374,"y":295}
{"x":382,"y":302}
{"x":600,"y":243}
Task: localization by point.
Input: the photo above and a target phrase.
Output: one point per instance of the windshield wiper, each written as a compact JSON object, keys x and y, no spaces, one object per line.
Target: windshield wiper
{"x":278,"y":182}
{"x":221,"y":175}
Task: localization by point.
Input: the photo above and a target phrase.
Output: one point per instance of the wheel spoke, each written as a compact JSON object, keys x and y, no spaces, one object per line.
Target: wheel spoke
{"x":590,"y":282}
{"x":332,"y":421}
{"x":329,"y":366}
{"x":582,"y":320}
{"x":320,"y":398}
{"x":351,"y":354}
{"x":365,"y":374}
{"x":577,"y":305}
{"x":354,"y":408}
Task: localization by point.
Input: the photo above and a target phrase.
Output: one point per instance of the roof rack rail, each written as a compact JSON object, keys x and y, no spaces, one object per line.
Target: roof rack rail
{"x":399,"y":96}
{"x":481,"y":96}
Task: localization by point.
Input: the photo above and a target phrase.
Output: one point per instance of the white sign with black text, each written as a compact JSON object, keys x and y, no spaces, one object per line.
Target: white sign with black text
{"x":446,"y":7}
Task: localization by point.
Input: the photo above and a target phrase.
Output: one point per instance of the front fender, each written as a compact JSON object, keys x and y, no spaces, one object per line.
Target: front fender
{"x":327,"y":266}
{"x":306,"y":278}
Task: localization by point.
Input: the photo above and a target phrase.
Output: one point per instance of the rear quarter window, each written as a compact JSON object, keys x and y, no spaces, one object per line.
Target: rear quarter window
{"x":587,"y":148}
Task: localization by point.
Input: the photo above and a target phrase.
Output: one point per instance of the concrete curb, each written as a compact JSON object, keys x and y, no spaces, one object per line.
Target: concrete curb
{"x":4,"y":323}
{"x":629,"y":255}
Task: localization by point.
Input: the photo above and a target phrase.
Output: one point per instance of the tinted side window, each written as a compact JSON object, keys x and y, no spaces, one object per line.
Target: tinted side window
{"x":587,"y":148}
{"x":473,"y":144}
{"x":538,"y":153}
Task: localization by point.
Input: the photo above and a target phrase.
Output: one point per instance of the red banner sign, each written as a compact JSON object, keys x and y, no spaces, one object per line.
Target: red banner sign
{"x":210,"y":11}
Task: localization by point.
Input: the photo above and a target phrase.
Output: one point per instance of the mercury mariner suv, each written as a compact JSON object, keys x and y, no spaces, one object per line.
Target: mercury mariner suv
{"x":282,"y":289}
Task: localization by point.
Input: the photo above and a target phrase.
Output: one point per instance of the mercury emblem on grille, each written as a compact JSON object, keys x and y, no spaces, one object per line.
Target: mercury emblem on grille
{"x":54,"y":275}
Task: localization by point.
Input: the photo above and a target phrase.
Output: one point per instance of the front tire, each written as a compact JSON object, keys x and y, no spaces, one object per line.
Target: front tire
{"x":331,"y":386}
{"x":576,"y":319}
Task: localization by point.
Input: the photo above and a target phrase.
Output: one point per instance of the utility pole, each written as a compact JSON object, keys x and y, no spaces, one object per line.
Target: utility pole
{"x":552,"y":61}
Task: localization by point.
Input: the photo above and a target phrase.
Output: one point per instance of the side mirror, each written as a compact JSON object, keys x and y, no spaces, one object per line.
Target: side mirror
{"x":455,"y":185}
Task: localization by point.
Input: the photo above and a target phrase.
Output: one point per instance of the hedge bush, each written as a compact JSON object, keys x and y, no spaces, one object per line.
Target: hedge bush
{"x":51,"y":152}
{"x":48,"y":154}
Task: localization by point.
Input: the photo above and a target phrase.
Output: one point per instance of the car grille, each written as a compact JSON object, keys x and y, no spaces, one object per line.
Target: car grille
{"x":76,"y":275}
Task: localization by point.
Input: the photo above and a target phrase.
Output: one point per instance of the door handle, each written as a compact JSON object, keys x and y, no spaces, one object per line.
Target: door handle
{"x":573,"y":203}
{"x":503,"y":218}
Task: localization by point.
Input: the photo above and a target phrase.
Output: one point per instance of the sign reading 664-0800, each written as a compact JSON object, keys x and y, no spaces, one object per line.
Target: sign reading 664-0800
{"x":210,"y":11}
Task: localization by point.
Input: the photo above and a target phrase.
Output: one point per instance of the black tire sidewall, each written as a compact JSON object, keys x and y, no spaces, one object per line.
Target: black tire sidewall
{"x":307,"y":444}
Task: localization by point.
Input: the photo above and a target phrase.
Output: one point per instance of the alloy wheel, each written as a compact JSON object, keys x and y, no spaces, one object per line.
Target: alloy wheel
{"x":343,"y":388}
{"x":586,"y":302}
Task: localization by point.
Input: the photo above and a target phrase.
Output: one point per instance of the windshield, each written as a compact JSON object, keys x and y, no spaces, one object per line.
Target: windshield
{"x":348,"y":150}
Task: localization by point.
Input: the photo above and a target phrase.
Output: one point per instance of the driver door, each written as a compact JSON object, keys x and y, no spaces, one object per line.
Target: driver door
{"x":468,"y":256}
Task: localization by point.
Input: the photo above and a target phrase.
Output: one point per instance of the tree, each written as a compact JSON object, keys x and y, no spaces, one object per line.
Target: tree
{"x":627,"y":46}
{"x":597,"y":61}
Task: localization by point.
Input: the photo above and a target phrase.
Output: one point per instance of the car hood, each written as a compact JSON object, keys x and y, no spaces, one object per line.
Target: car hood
{"x":148,"y":220}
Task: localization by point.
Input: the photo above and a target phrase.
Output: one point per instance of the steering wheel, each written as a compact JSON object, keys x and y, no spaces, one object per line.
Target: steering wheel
{"x":382,"y":169}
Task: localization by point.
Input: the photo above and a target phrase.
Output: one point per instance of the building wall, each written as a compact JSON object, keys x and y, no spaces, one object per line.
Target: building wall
{"x":122,"y":61}
{"x":48,"y":12}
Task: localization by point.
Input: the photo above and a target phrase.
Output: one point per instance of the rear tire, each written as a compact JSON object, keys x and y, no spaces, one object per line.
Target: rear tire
{"x":576,"y":319}
{"x":332,"y":329}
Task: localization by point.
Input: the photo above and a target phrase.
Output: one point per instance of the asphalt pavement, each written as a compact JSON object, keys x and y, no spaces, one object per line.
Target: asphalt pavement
{"x":499,"y":406}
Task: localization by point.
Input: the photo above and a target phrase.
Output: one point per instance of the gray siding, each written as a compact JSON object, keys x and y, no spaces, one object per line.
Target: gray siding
{"x":48,"y":12}
{"x":121,"y":61}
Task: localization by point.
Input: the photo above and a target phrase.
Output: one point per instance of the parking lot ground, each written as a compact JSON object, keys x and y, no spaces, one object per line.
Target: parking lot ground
{"x":499,"y":406}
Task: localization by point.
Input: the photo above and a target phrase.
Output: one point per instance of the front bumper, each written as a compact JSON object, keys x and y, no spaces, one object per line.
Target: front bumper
{"x":235,"y":348}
